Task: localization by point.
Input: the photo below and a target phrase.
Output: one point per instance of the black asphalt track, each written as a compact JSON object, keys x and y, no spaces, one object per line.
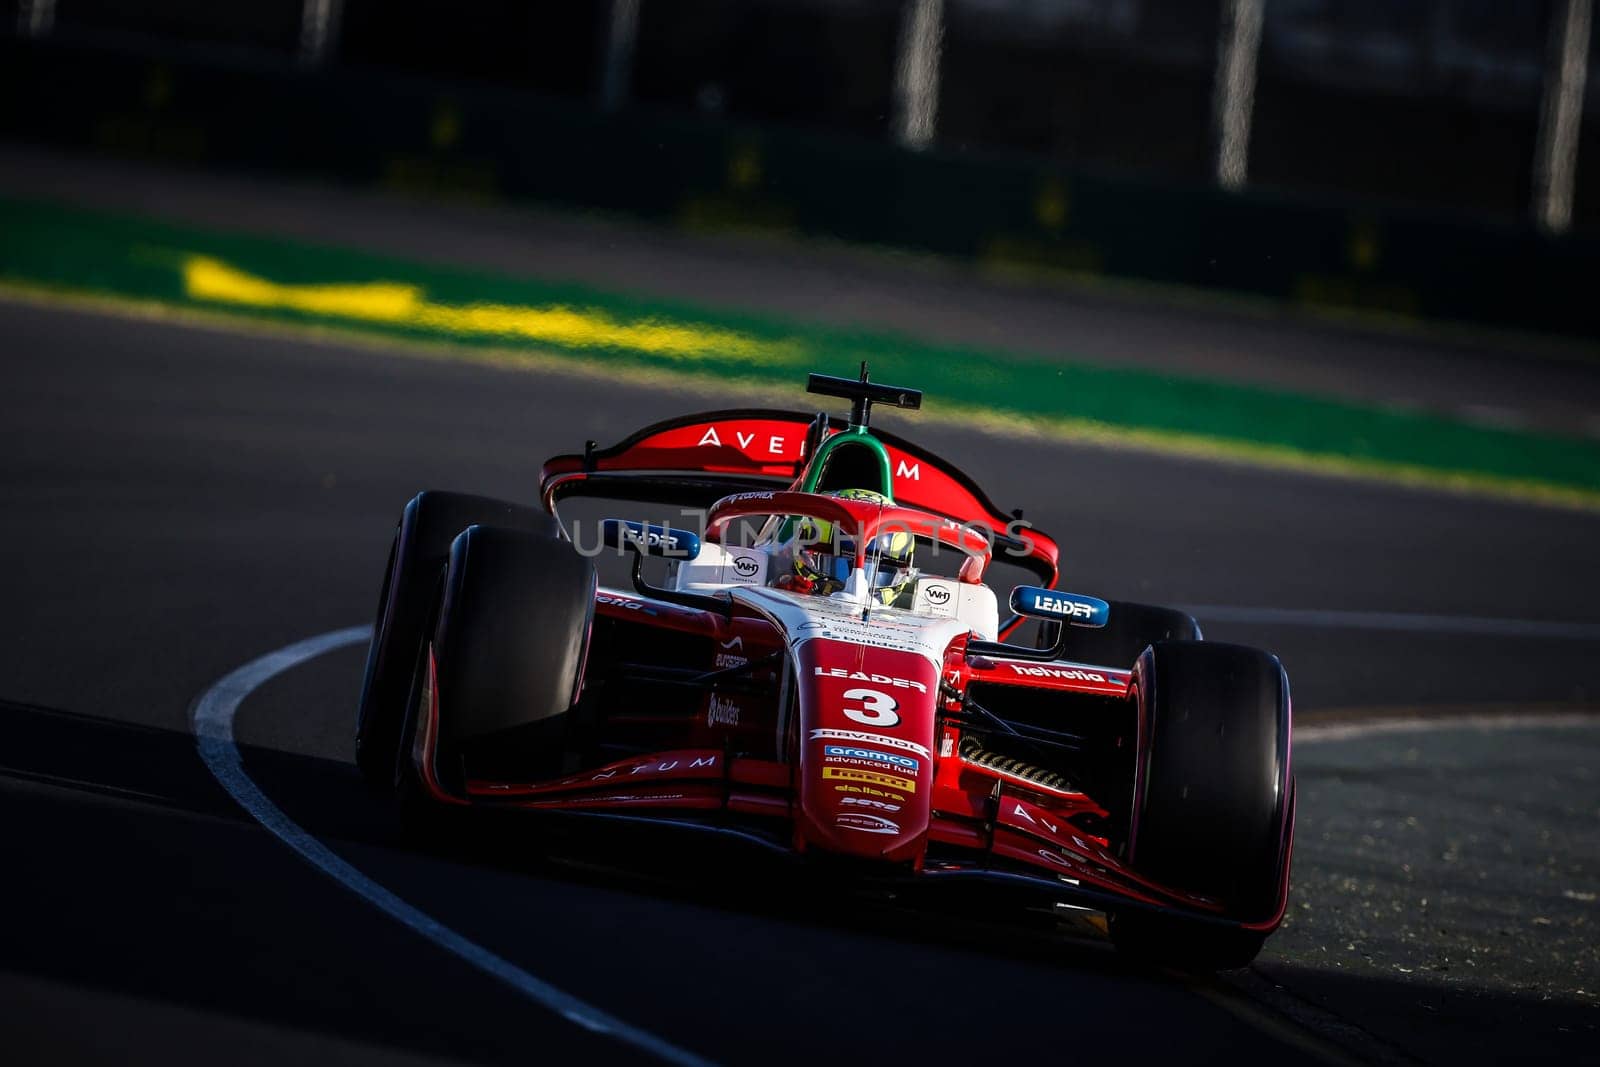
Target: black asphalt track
{"x":175,"y":501}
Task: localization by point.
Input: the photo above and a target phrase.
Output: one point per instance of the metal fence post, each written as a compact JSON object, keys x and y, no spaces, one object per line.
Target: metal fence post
{"x":916,"y":72}
{"x":1234,"y":95}
{"x":319,"y":30}
{"x":36,"y":18}
{"x":617,"y":65}
{"x":1555,"y":162}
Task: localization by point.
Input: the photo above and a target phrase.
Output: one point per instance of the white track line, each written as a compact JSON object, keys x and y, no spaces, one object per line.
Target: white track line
{"x":1382,"y":620}
{"x":213,"y":716}
{"x":214,"y":711}
{"x":1484,"y":721}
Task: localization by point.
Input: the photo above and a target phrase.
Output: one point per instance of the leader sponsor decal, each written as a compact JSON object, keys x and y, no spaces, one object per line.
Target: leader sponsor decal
{"x":903,"y":763}
{"x":866,"y":824}
{"x":863,"y":676}
{"x":864,"y":738}
{"x":887,"y":781}
{"x":869,"y":802}
{"x":650,"y":537}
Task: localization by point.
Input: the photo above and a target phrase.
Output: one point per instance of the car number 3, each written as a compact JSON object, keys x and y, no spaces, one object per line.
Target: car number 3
{"x":876,"y":709}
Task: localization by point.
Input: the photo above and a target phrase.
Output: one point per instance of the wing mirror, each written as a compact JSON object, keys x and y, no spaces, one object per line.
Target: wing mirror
{"x":649,"y":540}
{"x":1072,"y":609}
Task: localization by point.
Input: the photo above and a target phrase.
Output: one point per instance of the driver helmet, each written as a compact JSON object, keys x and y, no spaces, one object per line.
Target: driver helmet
{"x":824,"y":556}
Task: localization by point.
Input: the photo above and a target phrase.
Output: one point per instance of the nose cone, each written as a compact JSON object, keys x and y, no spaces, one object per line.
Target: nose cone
{"x":866,"y":749}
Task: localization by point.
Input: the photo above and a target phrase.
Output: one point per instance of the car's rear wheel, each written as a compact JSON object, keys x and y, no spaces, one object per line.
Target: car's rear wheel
{"x":417,"y":556}
{"x":512,"y":625}
{"x":1213,"y":799}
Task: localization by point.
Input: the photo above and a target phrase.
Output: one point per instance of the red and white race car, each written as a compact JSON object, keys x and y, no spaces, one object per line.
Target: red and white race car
{"x":821,"y":665}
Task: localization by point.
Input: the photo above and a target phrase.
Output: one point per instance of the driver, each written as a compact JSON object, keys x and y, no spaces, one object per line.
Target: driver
{"x":823,"y":556}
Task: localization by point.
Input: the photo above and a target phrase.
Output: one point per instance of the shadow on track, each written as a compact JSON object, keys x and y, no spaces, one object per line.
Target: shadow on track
{"x":127,"y":834}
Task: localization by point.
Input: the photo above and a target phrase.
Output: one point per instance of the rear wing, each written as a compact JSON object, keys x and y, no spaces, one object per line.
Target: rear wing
{"x":695,"y":460}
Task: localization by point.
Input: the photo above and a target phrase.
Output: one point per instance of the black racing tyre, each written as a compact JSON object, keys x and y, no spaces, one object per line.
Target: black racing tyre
{"x":1129,"y":630}
{"x":1213,"y":797}
{"x":417,"y":556}
{"x":512,"y":631}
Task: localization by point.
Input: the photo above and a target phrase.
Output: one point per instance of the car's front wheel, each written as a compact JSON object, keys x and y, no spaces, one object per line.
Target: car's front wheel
{"x":1212,"y":812}
{"x":417,"y":557}
{"x":495,"y":693}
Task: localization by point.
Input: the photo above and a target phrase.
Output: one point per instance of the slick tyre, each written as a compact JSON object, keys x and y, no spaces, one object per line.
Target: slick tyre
{"x":508,"y":647}
{"x":1213,"y":799}
{"x":1131,"y":629}
{"x":417,"y":557}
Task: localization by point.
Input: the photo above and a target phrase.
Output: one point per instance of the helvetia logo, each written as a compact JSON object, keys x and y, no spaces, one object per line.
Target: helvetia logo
{"x":1072,"y":674}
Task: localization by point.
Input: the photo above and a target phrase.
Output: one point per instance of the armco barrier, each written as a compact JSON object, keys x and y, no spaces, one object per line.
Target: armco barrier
{"x":361,"y":127}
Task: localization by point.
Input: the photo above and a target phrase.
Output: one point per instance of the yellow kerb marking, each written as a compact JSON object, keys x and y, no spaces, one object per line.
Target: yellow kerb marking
{"x":400,"y":304}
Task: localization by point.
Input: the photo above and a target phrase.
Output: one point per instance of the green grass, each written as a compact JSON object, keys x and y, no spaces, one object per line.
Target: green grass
{"x":291,"y":283}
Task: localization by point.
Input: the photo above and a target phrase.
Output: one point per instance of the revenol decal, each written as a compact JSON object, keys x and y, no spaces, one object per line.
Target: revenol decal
{"x":888,"y":781}
{"x":861,"y":737}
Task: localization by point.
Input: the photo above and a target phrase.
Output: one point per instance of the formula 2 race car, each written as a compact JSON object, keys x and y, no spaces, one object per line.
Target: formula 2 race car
{"x":822,"y":666}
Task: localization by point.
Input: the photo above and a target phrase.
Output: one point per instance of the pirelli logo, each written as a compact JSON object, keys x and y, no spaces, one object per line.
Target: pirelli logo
{"x":888,"y":781}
